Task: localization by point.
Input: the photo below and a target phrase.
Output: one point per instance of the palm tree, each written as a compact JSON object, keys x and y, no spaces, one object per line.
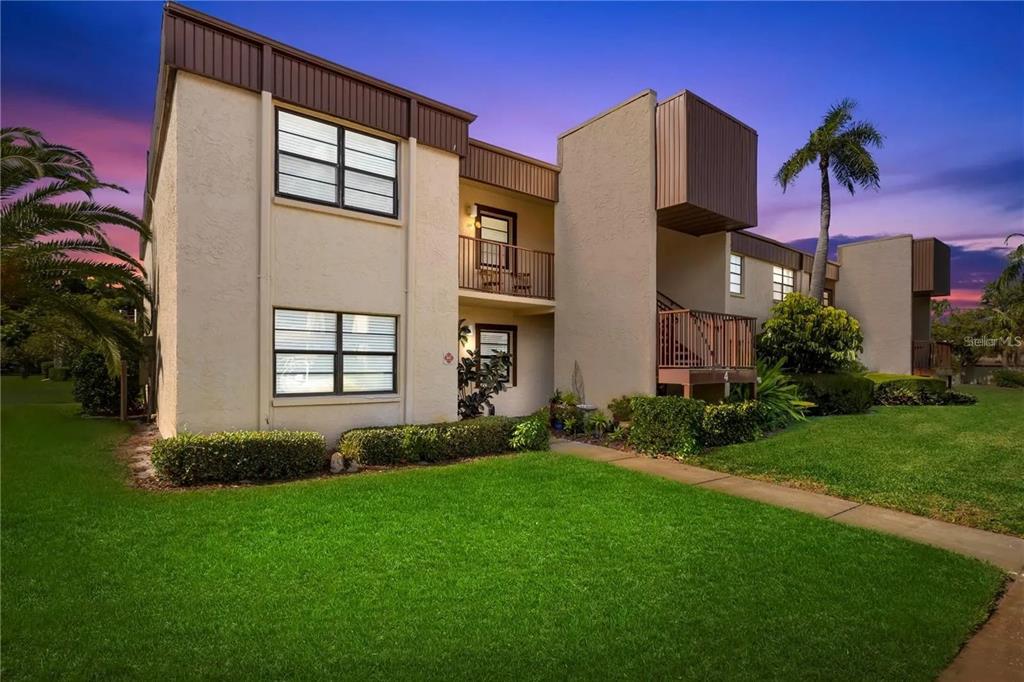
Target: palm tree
{"x":48,"y":250}
{"x":839,"y":144}
{"x":1014,"y":270}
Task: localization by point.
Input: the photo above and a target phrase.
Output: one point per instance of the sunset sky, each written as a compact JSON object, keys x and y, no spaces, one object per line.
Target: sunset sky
{"x":943,"y":82}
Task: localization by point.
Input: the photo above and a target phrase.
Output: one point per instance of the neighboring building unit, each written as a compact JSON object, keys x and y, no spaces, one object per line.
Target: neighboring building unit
{"x":320,"y":234}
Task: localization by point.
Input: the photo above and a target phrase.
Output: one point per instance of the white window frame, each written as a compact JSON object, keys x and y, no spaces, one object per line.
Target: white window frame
{"x":783,"y":280}
{"x":736,"y":266}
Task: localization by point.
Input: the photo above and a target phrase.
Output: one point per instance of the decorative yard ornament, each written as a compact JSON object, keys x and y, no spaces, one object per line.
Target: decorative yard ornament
{"x":577,"y":383}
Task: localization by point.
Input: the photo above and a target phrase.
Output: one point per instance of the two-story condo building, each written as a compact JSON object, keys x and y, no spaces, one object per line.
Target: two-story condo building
{"x":319,"y":234}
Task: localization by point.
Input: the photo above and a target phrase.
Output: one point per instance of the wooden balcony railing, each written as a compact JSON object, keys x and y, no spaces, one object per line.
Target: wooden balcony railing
{"x":929,"y":357}
{"x":505,"y":269}
{"x":696,"y":339}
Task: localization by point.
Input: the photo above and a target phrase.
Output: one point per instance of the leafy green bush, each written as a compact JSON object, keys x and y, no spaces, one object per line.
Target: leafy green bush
{"x":809,"y":336}
{"x":729,"y":423}
{"x":778,"y":397}
{"x":621,"y":409}
{"x":57,"y":374}
{"x":666,"y":425}
{"x":382,"y":446}
{"x":231,"y":456}
{"x":596,"y":423}
{"x":531,"y":433}
{"x":900,"y":395}
{"x":891,"y":389}
{"x":1008,"y":378}
{"x":836,"y":393}
{"x":97,"y":391}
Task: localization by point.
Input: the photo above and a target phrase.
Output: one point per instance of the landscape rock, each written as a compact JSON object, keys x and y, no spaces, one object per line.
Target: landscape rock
{"x":337,"y":463}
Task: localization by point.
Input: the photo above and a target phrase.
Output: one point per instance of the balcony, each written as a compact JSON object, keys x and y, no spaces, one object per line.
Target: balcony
{"x":698,"y":347}
{"x":932,"y":358}
{"x":504,"y":270}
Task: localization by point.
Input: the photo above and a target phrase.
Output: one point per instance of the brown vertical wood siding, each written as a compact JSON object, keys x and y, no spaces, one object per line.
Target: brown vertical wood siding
{"x":706,"y":167}
{"x":746,"y":244}
{"x":502,"y":168}
{"x":931,"y":267}
{"x":209,"y":47}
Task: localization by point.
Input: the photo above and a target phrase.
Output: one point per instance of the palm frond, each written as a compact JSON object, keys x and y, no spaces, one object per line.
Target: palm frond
{"x":60,"y":246}
{"x":838,"y":115}
{"x":790,"y":169}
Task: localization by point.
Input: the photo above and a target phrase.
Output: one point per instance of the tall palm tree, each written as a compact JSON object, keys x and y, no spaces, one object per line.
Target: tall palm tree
{"x":839,"y":145}
{"x":48,"y":250}
{"x":1014,"y":270}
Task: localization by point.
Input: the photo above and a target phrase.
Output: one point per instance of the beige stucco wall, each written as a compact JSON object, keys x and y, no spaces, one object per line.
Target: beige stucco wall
{"x":216,"y":149}
{"x":606,"y":253}
{"x":434,"y":286}
{"x":534,"y":356}
{"x":756,"y":300}
{"x":163,"y":277}
{"x":207,"y":221}
{"x":693,"y":271}
{"x":875,"y":287}
{"x":535,"y":218}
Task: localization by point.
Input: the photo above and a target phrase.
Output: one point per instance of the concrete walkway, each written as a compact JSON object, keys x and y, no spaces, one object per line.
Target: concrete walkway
{"x":994,"y":654}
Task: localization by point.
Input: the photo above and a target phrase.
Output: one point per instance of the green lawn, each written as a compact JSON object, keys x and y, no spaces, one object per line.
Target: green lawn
{"x":536,"y":566}
{"x":960,"y":463}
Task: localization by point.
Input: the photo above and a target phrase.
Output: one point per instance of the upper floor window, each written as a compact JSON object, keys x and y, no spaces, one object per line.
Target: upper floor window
{"x":333,"y":353}
{"x":782,"y":282}
{"x":735,"y":274}
{"x":322,"y":162}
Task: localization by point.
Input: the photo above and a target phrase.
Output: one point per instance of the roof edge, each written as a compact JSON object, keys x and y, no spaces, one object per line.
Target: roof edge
{"x":516,"y":155}
{"x":196,"y":15}
{"x":643,"y":93}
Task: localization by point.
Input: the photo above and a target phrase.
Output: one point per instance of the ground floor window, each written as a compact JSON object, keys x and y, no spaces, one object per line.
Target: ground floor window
{"x":492,"y":339}
{"x":323,"y":353}
{"x":782,"y":282}
{"x":826,"y":297}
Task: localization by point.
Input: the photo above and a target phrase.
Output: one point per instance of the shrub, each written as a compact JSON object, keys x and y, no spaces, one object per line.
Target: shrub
{"x":729,"y":423}
{"x":892,"y":389}
{"x":97,"y":391}
{"x":621,"y":409}
{"x":900,"y":395}
{"x":57,"y":374}
{"x":809,"y":336}
{"x":231,"y":456}
{"x":836,"y":393}
{"x":596,"y":423}
{"x":958,"y":398}
{"x":778,"y":397}
{"x":531,"y":434}
{"x":1008,"y":378}
{"x":382,"y":446}
{"x":666,"y":425}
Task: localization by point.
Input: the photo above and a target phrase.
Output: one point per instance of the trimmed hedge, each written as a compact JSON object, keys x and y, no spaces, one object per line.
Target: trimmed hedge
{"x":836,"y":393}
{"x":233,"y":456}
{"x":729,"y":423}
{"x":388,"y":445}
{"x":892,"y":389}
{"x":1008,"y":378}
{"x":905,"y":396}
{"x":667,"y":425}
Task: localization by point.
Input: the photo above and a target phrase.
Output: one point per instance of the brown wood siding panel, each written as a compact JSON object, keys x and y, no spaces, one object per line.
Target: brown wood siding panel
{"x":216,"y":50}
{"x":930,"y":267}
{"x":746,"y":245}
{"x":670,"y":124}
{"x":708,"y":160}
{"x":318,"y":89}
{"x":722,"y":156}
{"x":212,"y":53}
{"x":494,"y":168}
{"x":442,"y":130}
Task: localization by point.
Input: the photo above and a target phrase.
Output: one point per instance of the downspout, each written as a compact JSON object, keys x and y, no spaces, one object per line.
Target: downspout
{"x":409,"y":314}
{"x":265,"y":300}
